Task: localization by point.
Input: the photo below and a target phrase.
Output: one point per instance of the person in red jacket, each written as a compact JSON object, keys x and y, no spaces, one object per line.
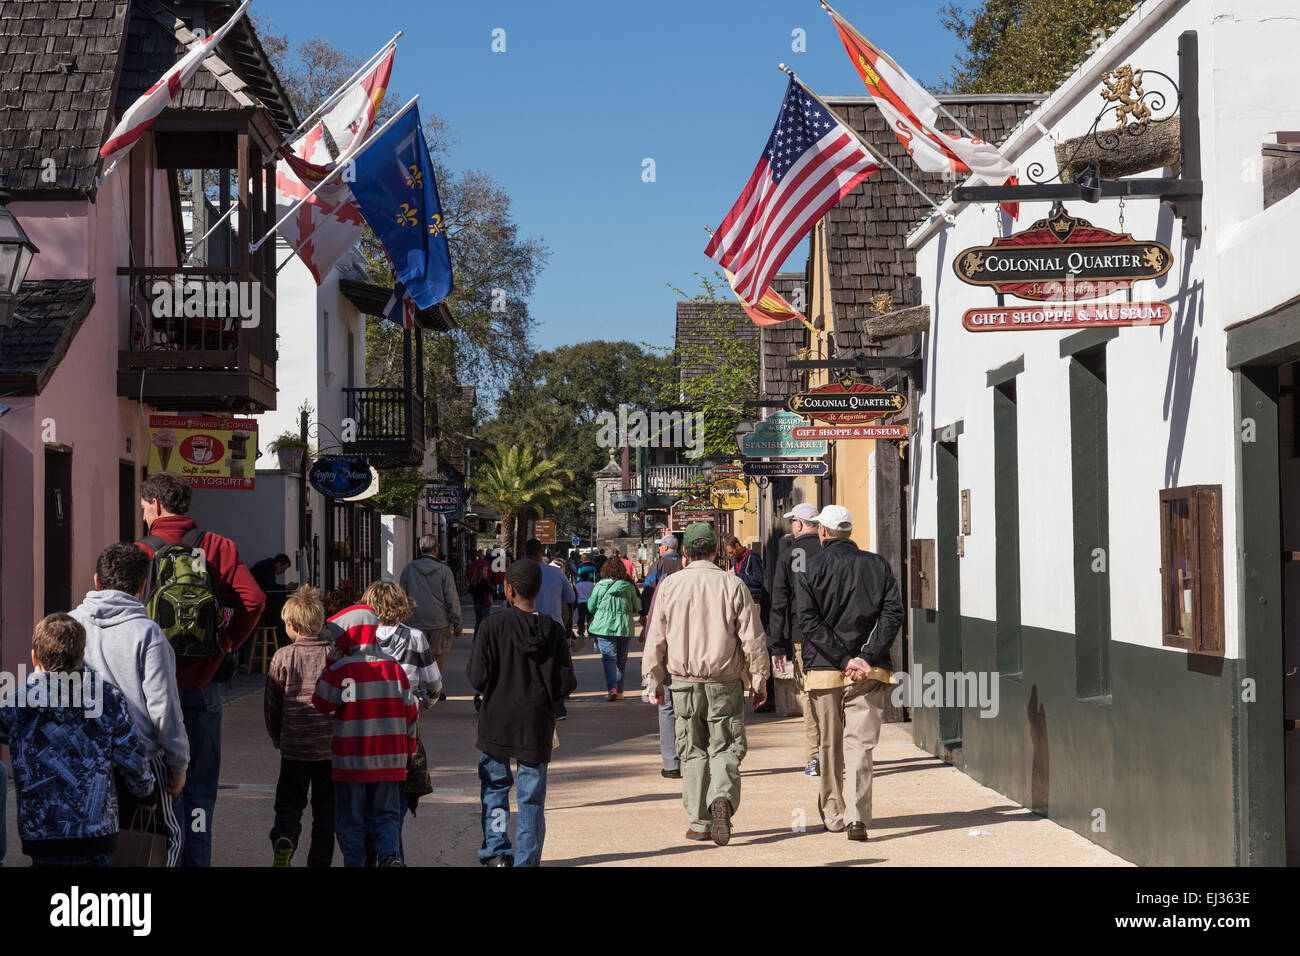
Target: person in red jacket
{"x":165,"y":500}
{"x":375,"y":717}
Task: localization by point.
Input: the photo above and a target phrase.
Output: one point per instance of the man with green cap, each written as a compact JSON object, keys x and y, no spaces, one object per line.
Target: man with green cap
{"x":705,"y":634}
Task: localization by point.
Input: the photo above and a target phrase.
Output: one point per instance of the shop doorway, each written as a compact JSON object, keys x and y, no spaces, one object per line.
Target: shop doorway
{"x":58,"y":530}
{"x":948,"y":591}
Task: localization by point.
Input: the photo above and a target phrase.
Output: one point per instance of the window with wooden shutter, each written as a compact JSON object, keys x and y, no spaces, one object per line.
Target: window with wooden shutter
{"x":1191,"y":567}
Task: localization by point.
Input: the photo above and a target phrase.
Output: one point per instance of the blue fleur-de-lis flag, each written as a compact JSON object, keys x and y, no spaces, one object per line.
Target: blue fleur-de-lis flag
{"x":398,"y":195}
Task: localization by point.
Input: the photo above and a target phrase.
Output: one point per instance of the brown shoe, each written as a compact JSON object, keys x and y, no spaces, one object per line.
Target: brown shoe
{"x":720,"y":811}
{"x":858,"y":832}
{"x":699,"y":835}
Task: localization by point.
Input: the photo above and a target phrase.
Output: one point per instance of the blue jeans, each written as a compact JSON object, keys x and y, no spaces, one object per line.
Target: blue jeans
{"x":99,"y":859}
{"x":495,"y":780}
{"x":371,"y":810}
{"x":613,"y":656}
{"x":480,"y":611}
{"x":201,"y":710}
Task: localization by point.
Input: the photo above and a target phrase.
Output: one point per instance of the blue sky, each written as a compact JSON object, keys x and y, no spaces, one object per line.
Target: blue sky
{"x":586,"y":91}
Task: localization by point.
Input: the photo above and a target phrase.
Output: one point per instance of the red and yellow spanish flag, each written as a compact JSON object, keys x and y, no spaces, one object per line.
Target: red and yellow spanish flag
{"x":771,"y":309}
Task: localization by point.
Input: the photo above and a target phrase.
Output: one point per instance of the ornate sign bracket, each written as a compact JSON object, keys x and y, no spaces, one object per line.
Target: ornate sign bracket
{"x":1181,"y":193}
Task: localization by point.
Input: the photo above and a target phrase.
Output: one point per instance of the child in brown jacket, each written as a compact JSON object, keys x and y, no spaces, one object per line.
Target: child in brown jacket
{"x":301,"y":733}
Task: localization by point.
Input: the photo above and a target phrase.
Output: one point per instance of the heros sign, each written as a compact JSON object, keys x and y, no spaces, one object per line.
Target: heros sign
{"x":443,"y":500}
{"x":207,"y":452}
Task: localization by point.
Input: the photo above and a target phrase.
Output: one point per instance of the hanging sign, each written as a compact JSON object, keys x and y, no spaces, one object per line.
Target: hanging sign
{"x":784,"y":469}
{"x":544,"y":530}
{"x":846,"y":402}
{"x":835,"y":432}
{"x":443,"y":500}
{"x":685,"y":512}
{"x":340,"y":476}
{"x":624,"y":503}
{"x":207,"y":452}
{"x":771,"y":438}
{"x":1061,"y":315}
{"x":1062,"y":258}
{"x":729,"y":494}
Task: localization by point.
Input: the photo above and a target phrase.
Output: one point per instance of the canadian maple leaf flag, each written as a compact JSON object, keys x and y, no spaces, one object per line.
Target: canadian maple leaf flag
{"x":141,"y":114}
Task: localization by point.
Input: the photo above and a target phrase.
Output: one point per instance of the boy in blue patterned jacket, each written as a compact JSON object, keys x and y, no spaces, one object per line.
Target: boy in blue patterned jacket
{"x":67,"y":730}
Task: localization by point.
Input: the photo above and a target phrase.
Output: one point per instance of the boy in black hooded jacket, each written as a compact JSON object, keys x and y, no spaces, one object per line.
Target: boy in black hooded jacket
{"x":521,"y":665}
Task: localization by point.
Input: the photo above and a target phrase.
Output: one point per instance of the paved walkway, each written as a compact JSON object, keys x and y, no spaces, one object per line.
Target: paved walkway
{"x":607,"y":804}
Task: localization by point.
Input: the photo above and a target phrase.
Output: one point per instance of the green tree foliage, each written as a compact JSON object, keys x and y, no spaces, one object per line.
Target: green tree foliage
{"x":518,"y":483}
{"x":717,"y":375}
{"x":553,"y":405}
{"x":1027,"y":46}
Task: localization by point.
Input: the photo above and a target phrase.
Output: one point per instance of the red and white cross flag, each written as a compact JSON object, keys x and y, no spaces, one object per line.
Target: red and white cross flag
{"x":140,"y":114}
{"x":912,"y":113}
{"x":328,"y":224}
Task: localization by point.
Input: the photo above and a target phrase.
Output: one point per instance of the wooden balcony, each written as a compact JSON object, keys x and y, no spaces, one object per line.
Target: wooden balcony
{"x":669,"y":479}
{"x":221,"y":359}
{"x":389,"y":425}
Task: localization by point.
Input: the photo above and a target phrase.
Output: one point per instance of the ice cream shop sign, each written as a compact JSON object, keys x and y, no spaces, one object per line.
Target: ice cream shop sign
{"x":208,"y":452}
{"x":1060,"y":261}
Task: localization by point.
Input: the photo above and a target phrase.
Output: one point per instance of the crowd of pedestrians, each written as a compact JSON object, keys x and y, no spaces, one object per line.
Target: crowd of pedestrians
{"x":165,"y":619}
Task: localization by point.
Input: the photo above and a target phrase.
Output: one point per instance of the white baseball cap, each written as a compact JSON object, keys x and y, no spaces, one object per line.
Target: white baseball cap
{"x":835,"y":517}
{"x":805,"y":511}
{"x":668,"y":539}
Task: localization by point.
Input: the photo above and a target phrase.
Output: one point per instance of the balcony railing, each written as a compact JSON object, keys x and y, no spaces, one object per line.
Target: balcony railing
{"x":199,"y":338}
{"x":670,"y":479}
{"x":389,"y":425}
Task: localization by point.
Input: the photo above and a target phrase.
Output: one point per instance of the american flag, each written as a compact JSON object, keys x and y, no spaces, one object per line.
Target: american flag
{"x":810,"y":162}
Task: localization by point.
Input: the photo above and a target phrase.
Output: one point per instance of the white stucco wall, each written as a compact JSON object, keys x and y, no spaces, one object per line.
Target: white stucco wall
{"x":1170,"y":394}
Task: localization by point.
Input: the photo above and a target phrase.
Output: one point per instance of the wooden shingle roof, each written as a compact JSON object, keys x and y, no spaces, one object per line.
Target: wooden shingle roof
{"x":700,"y":323}
{"x":58,"y":65}
{"x":46,"y":317}
{"x":867,"y":229}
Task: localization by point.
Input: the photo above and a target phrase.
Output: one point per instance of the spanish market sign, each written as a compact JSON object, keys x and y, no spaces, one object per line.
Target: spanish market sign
{"x":685,"y":512}
{"x":340,"y":476}
{"x":443,"y":500}
{"x":851,"y":431}
{"x":1062,"y":258}
{"x":784,"y":469}
{"x":772,"y":438}
{"x":1062,"y":315}
{"x":846,"y":402}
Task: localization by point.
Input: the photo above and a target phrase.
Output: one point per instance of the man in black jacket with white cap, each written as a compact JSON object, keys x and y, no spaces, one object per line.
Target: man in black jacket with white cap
{"x":849,"y":614}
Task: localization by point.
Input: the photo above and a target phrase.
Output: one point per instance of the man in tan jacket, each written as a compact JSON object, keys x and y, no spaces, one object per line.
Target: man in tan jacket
{"x":706,"y":634}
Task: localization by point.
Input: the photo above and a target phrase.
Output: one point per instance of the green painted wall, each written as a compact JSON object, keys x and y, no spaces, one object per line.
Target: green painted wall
{"x":1157,"y":760}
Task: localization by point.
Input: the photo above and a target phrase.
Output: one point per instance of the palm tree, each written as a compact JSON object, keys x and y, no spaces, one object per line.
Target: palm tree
{"x":518,"y":483}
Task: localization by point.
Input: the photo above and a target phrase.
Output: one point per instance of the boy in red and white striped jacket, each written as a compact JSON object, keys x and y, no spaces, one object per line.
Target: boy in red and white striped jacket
{"x":375,"y":716}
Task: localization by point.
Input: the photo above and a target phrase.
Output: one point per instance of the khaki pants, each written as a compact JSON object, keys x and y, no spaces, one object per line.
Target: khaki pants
{"x":810,"y":734}
{"x":848,"y":719}
{"x":710,"y":728}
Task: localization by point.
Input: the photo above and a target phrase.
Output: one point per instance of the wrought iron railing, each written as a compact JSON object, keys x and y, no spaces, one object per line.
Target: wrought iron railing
{"x":389,"y":423}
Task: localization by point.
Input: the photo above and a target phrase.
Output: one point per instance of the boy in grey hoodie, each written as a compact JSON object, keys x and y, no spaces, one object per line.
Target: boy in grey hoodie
{"x":130,"y":651}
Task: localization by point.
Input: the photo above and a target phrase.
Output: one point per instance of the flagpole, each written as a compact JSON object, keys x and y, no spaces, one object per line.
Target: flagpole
{"x":334,"y":173}
{"x":880,"y":157}
{"x":889,"y":59}
{"x":203,"y":238}
{"x":333,"y":97}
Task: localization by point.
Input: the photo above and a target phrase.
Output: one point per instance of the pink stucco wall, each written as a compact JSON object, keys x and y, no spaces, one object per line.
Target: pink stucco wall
{"x":79,"y":408}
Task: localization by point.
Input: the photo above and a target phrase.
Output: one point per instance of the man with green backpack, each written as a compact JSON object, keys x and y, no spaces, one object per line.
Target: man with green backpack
{"x":207,"y":604}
